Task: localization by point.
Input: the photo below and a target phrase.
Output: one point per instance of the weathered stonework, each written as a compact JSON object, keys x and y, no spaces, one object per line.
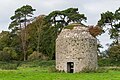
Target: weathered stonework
{"x":78,"y":46}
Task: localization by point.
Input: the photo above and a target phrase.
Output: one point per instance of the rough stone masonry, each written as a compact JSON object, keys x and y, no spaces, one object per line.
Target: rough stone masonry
{"x":76,"y":50}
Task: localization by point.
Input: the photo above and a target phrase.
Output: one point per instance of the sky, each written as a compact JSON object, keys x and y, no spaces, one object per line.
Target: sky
{"x":91,"y":8}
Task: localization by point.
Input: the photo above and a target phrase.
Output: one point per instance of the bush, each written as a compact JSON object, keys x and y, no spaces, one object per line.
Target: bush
{"x":36,"y":56}
{"x":115,"y":68}
{"x":86,"y":70}
{"x":108,"y":62}
{"x":7,"y":54}
{"x":114,"y":52}
{"x":104,"y":62}
{"x":47,"y":63}
{"x":8,"y":66}
{"x":53,"y":69}
{"x":37,"y":63}
{"x":99,"y":70}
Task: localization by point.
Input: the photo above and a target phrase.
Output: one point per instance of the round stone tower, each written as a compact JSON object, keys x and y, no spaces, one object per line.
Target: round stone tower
{"x":76,"y":49}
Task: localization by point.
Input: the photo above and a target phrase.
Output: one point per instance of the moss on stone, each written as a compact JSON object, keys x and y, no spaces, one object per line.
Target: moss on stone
{"x":71,"y":26}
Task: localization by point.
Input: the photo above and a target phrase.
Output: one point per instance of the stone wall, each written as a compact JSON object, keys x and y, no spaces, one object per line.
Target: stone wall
{"x":76,"y":46}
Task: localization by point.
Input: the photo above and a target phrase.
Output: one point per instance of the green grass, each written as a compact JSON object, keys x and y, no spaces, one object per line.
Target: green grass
{"x":39,"y":70}
{"x":43,"y":74}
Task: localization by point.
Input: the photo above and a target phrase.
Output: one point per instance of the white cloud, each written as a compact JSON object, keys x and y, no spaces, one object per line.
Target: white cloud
{"x":102,"y":6}
{"x":104,"y":39}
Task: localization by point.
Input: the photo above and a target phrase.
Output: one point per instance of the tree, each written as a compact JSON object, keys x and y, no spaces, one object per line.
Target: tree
{"x":27,"y":11}
{"x":5,"y":39}
{"x":21,"y":16}
{"x":113,"y":20}
{"x":41,"y":37}
{"x":35,"y":30}
{"x":10,"y":52}
{"x":48,"y":41}
{"x":40,"y":23}
{"x":62,"y":18}
{"x":57,"y":21}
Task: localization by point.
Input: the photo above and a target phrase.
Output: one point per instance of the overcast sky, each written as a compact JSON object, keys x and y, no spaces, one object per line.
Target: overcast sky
{"x":91,"y":8}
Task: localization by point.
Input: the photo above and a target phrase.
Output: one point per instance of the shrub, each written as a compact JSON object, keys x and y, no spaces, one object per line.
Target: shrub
{"x":86,"y":70}
{"x":99,"y":70}
{"x":114,"y":52}
{"x":46,"y":63}
{"x":108,"y":62}
{"x":7,"y":54}
{"x":8,"y":66}
{"x":36,"y":56}
{"x":53,"y":69}
{"x":115,"y":68}
{"x":37,"y":63}
{"x":104,"y":62}
{"x":4,"y":56}
{"x":95,"y":31}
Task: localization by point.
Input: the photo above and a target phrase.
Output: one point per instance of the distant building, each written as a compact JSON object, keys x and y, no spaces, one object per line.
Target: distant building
{"x":76,"y":50}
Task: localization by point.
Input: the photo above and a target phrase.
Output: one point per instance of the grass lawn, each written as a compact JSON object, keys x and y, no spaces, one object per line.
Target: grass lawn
{"x":42,"y":73}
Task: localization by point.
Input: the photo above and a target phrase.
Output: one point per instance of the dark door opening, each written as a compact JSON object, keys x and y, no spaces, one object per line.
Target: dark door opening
{"x":70,"y":67}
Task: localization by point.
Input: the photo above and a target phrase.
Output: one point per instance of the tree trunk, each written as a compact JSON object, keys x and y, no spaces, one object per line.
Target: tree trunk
{"x":22,"y":37}
{"x":25,"y":38}
{"x":38,"y":40}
